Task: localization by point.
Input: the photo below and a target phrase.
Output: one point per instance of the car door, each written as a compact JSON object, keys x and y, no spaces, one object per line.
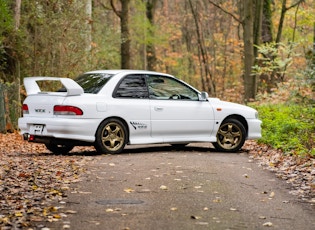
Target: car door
{"x":131,"y":102}
{"x":177,"y":114}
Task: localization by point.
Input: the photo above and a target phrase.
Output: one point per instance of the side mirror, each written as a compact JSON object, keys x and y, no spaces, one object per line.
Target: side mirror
{"x":203,"y":96}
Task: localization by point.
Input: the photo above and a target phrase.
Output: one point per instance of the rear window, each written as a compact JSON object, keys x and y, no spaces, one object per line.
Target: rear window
{"x":93,"y":82}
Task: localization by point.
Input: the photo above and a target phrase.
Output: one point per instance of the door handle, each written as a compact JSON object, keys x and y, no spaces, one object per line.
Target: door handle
{"x":158,"y":108}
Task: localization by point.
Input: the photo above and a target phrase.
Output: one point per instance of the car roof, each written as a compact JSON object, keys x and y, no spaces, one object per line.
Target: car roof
{"x":117,"y":71}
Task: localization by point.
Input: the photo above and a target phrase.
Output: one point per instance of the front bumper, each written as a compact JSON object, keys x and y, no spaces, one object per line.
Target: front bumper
{"x":254,"y":128}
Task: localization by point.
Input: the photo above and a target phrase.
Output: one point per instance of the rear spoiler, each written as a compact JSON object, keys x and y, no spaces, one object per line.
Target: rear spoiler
{"x":73,"y":88}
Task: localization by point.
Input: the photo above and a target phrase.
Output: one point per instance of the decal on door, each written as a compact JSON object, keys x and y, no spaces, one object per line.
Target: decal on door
{"x":138,"y":125}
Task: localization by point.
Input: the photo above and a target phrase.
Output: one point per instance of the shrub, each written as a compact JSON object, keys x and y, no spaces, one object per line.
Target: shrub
{"x":288,"y":127}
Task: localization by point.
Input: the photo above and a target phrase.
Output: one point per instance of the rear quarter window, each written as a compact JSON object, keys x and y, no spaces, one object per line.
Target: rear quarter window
{"x":93,"y":82}
{"x":132,"y":86}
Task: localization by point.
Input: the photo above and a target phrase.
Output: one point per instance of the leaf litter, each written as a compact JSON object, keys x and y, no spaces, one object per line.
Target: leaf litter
{"x":299,"y":171}
{"x":31,"y":180}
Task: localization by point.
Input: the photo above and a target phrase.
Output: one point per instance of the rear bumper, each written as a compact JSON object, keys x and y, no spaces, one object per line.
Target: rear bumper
{"x":59,"y":128}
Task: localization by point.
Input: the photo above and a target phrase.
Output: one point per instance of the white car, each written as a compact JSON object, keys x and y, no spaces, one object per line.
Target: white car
{"x":111,"y":108}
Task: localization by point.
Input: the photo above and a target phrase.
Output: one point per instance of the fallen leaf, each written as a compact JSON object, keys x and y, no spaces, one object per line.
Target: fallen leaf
{"x":202,"y":223}
{"x":129,"y":190}
{"x":163,"y":187}
{"x":217,"y":200}
{"x":57,"y":216}
{"x":18,"y":214}
{"x":71,"y":212}
{"x":268,"y":224}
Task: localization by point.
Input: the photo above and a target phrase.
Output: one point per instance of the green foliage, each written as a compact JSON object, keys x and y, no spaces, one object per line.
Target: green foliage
{"x":273,"y":57}
{"x":289,"y":127}
{"x":6,"y":25}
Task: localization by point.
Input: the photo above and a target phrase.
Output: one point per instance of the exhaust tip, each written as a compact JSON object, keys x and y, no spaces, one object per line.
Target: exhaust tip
{"x":28,"y":137}
{"x":25,"y":136}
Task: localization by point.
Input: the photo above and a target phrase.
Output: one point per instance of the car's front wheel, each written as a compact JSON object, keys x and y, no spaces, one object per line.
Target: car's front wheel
{"x":231,"y":136}
{"x":111,"y":137}
{"x":59,"y":149}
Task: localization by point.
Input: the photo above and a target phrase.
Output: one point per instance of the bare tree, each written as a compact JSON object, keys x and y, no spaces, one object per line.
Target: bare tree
{"x":88,"y":11}
{"x":123,"y":14}
{"x":284,"y":9}
{"x":150,"y":48}
{"x":207,"y":80}
{"x":250,"y":81}
{"x":246,"y":19}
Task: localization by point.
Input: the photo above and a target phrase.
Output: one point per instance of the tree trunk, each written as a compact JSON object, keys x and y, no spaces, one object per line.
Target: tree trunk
{"x":125,"y":36}
{"x":2,"y":110}
{"x":281,"y":21}
{"x":314,"y":46}
{"x":88,"y":12}
{"x":266,"y":29}
{"x":257,"y":25}
{"x":17,"y":14}
{"x":250,"y":82}
{"x":17,"y":17}
{"x":150,"y":48}
{"x":208,"y":83}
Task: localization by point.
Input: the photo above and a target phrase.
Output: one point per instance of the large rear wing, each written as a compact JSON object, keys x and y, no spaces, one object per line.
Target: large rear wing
{"x":72,"y":88}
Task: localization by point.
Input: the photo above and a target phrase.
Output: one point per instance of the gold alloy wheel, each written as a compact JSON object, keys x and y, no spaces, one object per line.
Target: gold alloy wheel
{"x":113,"y":136}
{"x":230,"y":136}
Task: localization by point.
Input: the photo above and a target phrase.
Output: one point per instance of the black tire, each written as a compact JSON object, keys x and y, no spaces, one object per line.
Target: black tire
{"x":59,"y":149}
{"x":231,"y":136}
{"x":111,"y":137}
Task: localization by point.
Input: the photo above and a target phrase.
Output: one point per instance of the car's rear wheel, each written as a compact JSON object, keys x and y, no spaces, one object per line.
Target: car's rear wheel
{"x":231,"y":136}
{"x":59,"y":148}
{"x":111,"y":136}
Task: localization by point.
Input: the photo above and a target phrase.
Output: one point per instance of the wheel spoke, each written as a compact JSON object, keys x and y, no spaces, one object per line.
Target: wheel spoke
{"x":230,"y":128}
{"x":116,"y":131}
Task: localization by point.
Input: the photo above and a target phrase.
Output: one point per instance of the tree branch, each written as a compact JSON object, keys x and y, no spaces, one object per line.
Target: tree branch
{"x":225,"y":11}
{"x":118,"y":13}
{"x":103,"y":5}
{"x":295,"y":4}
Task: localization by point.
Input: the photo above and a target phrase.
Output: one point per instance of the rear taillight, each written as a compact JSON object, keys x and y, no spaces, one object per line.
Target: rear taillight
{"x":67,"y":110}
{"x":25,"y":109}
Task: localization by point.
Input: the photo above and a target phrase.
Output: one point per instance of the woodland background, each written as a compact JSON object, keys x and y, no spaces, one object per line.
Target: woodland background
{"x":260,"y":52}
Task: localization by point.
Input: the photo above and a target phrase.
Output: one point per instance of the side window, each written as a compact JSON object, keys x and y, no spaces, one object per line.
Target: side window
{"x":165,"y":88}
{"x":132,"y":86}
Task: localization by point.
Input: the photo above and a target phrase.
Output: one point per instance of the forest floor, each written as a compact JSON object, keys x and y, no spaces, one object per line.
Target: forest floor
{"x":32,"y":179}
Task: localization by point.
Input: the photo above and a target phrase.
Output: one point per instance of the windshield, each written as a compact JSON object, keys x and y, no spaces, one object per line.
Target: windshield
{"x":93,"y":82}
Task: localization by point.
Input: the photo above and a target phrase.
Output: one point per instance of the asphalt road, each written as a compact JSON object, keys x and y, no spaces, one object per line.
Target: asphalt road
{"x":158,"y":187}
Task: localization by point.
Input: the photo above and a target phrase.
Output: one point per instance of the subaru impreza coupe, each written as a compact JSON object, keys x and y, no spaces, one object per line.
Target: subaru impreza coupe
{"x":110,"y":109}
